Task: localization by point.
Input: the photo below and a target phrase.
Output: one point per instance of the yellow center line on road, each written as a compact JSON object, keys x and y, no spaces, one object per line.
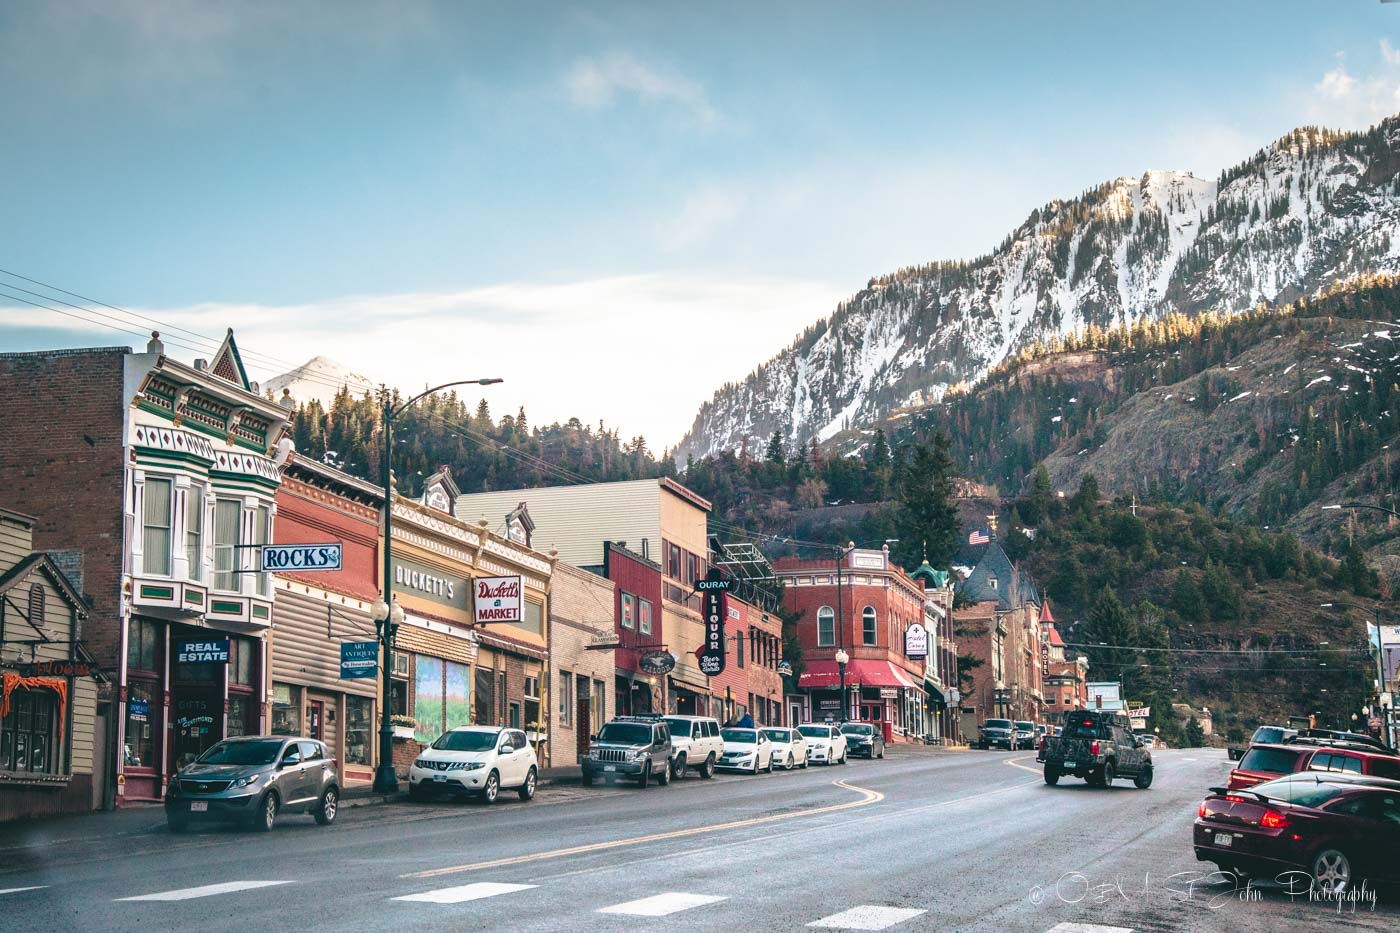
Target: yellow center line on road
{"x":1013,"y":763}
{"x":867,"y":797}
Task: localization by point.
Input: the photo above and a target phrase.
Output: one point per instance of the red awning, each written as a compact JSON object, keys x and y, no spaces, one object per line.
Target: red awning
{"x":865,"y":673}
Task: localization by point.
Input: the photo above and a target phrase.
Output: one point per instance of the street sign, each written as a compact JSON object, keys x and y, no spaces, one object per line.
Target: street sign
{"x":916,"y":642}
{"x":713,"y":608}
{"x":497,"y":599}
{"x":300,"y":557}
{"x":358,"y":659}
{"x":657,"y":662}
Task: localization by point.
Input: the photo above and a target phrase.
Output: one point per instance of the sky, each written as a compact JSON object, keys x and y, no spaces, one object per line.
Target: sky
{"x":615,"y":207}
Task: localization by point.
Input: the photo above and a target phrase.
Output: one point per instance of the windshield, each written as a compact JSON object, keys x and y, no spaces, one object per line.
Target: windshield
{"x":1025,"y":726}
{"x":778,"y":735}
{"x":1267,"y":734}
{"x":679,"y":727}
{"x":466,"y":740}
{"x":997,"y":724}
{"x":815,"y":732}
{"x":1301,"y":793}
{"x":263,"y":752}
{"x":740,"y":736}
{"x":1278,"y":760}
{"x":626,"y":733}
{"x":857,"y":728}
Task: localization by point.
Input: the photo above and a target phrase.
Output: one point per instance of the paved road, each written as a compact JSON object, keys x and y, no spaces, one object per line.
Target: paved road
{"x":924,"y":840}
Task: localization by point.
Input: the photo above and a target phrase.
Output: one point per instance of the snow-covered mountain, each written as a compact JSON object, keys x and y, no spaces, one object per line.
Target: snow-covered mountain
{"x":1313,"y":207}
{"x":319,"y":378}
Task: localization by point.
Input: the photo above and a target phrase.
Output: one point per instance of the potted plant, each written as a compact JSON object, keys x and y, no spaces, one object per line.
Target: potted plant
{"x":404,"y":726}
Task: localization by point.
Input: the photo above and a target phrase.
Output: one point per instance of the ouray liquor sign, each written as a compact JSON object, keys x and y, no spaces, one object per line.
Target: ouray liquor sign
{"x":714,"y":607}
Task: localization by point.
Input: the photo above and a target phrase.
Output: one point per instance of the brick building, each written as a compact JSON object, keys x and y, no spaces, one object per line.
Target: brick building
{"x":581,"y":616}
{"x":1000,"y":628}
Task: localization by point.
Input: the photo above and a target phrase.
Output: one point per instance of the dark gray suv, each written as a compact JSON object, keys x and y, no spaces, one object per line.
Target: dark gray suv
{"x":251,"y":779}
{"x":637,"y":747}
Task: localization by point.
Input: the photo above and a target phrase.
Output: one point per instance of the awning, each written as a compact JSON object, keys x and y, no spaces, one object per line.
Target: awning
{"x":866,"y":673}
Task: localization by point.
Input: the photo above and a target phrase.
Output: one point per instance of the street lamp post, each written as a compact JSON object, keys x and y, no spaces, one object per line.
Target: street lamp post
{"x":388,"y":615}
{"x":841,"y":658}
{"x":841,"y":554}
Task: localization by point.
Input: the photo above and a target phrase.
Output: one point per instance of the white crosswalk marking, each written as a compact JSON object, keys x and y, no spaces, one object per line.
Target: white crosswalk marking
{"x":32,"y":887}
{"x":868,"y":917}
{"x":464,"y":892}
{"x":1086,"y":928}
{"x":208,"y":890}
{"x":661,"y":905}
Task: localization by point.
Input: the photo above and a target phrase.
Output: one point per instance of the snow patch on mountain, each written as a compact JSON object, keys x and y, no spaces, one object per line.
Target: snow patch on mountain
{"x":319,"y":379}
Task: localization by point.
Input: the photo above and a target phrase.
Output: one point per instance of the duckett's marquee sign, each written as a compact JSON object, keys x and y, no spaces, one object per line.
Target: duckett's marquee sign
{"x":497,"y":599}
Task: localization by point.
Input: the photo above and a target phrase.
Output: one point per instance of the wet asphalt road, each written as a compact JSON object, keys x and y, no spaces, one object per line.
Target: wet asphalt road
{"x":923,"y":840}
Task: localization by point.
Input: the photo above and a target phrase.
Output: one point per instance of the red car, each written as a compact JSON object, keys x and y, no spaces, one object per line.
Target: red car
{"x":1266,"y":762}
{"x":1337,"y":828}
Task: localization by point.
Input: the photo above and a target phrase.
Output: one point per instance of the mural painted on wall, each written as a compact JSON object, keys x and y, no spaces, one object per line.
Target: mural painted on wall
{"x":458,"y":697}
{"x":427,"y":699}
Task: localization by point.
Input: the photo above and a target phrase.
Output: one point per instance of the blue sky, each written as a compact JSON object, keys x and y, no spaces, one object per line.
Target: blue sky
{"x":617,"y":207}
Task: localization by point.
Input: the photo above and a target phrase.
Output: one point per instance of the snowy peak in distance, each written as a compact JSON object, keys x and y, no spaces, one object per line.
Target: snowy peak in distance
{"x":319,"y":378}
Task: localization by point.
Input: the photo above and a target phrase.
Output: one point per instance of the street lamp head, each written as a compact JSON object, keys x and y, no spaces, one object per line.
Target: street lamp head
{"x":488,"y":382}
{"x":396,"y":613}
{"x":380,"y":610}
{"x":841,"y":656}
{"x":1330,"y":508}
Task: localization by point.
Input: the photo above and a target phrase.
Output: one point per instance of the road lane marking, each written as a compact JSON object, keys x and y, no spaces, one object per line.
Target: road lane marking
{"x":208,"y":890}
{"x":464,"y":893}
{"x":867,"y":797}
{"x":32,"y":887}
{"x":1086,"y":928}
{"x":1013,"y":763}
{"x":868,"y":917}
{"x":662,"y":905}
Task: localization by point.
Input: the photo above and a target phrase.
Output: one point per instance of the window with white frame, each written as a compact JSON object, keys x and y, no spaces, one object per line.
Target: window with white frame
{"x":629,"y":610}
{"x":155,"y":539}
{"x":228,"y":519}
{"x":566,"y":698}
{"x":644,"y":616}
{"x":826,"y":627}
{"x":194,"y":532}
{"x":868,"y":623}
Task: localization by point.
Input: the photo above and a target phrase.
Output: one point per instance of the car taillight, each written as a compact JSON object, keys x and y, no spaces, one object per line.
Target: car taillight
{"x":1272,"y":819}
{"x":1201,"y":810}
{"x":1233,"y":799}
{"x":1094,"y":747}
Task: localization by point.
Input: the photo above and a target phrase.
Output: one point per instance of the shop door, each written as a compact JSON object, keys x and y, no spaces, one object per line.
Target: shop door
{"x":584,"y":715}
{"x":198,"y":724}
{"x":871,"y":712}
{"x":316,"y":719}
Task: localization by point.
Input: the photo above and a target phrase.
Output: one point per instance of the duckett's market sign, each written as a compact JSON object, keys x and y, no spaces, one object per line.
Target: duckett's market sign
{"x":445,"y":589}
{"x":497,"y":599}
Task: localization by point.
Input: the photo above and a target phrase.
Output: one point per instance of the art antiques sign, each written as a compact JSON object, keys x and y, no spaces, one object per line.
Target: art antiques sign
{"x":434,"y":586}
{"x":916,"y":642}
{"x":714,"y":609}
{"x":497,"y":599}
{"x":205,"y":651}
{"x":358,"y":659}
{"x":300,"y":557}
{"x":657,"y":662}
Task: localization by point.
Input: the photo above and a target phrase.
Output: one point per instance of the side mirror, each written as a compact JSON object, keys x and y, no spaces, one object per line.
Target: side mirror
{"x":289,"y":760}
{"x":506,"y":750}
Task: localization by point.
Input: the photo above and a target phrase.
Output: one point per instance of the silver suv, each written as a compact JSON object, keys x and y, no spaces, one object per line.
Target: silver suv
{"x":251,"y":779}
{"x":637,"y":747}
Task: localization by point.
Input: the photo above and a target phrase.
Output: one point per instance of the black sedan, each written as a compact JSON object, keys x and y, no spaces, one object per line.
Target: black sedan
{"x":864,"y":739}
{"x":1330,"y":830}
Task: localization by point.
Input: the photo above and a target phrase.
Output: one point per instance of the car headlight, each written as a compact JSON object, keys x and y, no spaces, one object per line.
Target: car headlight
{"x":637,"y":754}
{"x":473,"y":766}
{"x":418,"y":763}
{"x":247,"y":781}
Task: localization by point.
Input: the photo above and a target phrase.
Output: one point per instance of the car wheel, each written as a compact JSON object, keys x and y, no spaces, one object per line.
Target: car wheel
{"x":645,"y":777}
{"x":769,"y":769}
{"x":1107,"y":775}
{"x":328,"y":806}
{"x":527,"y":790}
{"x":492,"y":789}
{"x":664,"y":777}
{"x":791,"y":763}
{"x":266,"y":814}
{"x":805,"y":762}
{"x":417,"y":792}
{"x":707,"y":770}
{"x":587,"y":779}
{"x":678,"y":769}
{"x":1331,"y":870}
{"x":1144,"y":779}
{"x":1052,"y":776}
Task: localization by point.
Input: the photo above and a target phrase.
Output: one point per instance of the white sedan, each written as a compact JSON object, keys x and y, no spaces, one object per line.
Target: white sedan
{"x":480,"y":760}
{"x":825,"y":744}
{"x":746,"y":750}
{"x":789,"y":748}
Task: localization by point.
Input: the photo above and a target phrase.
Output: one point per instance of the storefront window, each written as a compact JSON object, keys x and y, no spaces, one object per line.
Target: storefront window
{"x":501,"y":697}
{"x":239,"y":708}
{"x":27,"y":731}
{"x":228,"y":514}
{"x":485,"y":697}
{"x":143,"y":646}
{"x":155,"y":540}
{"x":532,"y":703}
{"x":141,"y":709}
{"x":566,"y":698}
{"x":242,"y":652}
{"x":359,"y":729}
{"x":286,"y":709}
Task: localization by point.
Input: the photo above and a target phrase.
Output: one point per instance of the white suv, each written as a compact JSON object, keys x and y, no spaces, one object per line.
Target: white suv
{"x":480,"y":760}
{"x":698,"y":744}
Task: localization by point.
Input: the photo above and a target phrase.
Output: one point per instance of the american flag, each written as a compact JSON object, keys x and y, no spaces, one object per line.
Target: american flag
{"x":978,"y":537}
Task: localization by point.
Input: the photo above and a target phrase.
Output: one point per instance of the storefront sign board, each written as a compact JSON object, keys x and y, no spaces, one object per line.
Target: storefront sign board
{"x":497,"y":599}
{"x":202,"y":651}
{"x":301,"y":557}
{"x":358,"y":659}
{"x":916,"y":642}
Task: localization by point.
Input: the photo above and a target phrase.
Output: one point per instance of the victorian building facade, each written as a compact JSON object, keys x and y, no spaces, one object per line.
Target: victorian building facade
{"x":1000,"y":633}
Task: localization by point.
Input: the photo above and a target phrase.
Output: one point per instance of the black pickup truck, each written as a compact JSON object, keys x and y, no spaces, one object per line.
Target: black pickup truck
{"x":1098,"y":746}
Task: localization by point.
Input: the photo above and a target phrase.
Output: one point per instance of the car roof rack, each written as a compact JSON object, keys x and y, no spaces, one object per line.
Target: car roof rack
{"x":639,"y":717}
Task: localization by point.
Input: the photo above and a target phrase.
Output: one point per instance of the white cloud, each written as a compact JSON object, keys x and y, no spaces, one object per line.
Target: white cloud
{"x":641,"y":352}
{"x":1350,"y":100}
{"x":598,"y":83}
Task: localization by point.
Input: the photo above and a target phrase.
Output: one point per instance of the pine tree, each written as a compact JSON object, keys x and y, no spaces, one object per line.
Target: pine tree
{"x":1195,"y":735}
{"x":775,"y":454}
{"x":924,"y":520}
{"x":1111,"y":632}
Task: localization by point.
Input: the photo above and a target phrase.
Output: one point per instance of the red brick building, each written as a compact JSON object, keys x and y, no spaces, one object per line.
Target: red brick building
{"x":639,"y":629}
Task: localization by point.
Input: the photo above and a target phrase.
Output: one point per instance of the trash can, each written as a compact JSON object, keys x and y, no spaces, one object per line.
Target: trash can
{"x":888,"y":728}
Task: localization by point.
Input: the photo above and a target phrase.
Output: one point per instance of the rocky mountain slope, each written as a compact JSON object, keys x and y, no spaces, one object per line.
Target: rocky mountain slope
{"x":1313,"y":207}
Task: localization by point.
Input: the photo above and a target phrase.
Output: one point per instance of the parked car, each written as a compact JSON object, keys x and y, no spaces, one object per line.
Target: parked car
{"x":697,"y":745}
{"x":632,"y":747}
{"x":251,"y":779}
{"x":1339,"y":828}
{"x":1355,"y":761}
{"x":746,"y":750}
{"x":789,"y":748}
{"x":1099,"y":747}
{"x":1336,"y":737}
{"x":864,"y":739}
{"x":1023,"y":734}
{"x":1264,"y":735}
{"x":825,"y":743}
{"x":994,"y":733}
{"x":475,"y":760}
{"x":1265,"y":762}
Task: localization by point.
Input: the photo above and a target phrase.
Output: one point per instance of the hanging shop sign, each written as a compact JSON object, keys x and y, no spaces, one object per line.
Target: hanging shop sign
{"x":889,"y":693}
{"x":358,"y":659}
{"x":414,"y":579}
{"x":714,"y":609}
{"x":204,"y":651}
{"x":916,"y":642}
{"x":497,"y":599}
{"x":56,"y":669}
{"x":657,"y":662}
{"x":1044,"y":660}
{"x":300,"y":557}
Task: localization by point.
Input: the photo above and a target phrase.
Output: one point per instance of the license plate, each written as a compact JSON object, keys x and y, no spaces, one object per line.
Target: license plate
{"x":1069,"y":764}
{"x":609,"y":767}
{"x":199,"y":806}
{"x":439,"y":778}
{"x":1224,"y":839}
